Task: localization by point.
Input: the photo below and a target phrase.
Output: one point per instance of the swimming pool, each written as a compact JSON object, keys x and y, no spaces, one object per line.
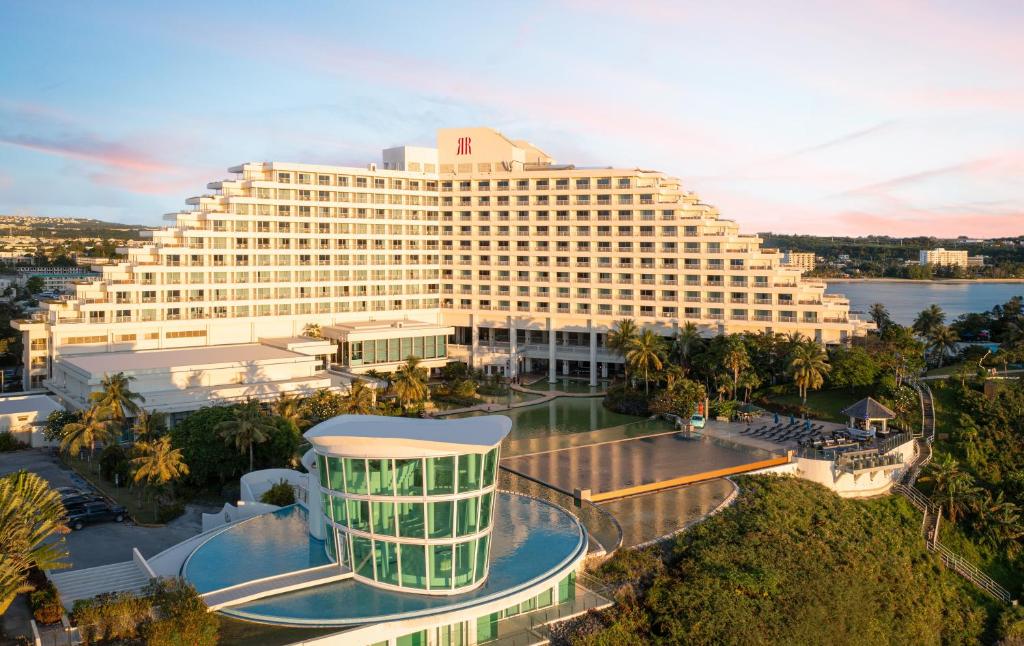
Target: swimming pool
{"x":532,"y":540}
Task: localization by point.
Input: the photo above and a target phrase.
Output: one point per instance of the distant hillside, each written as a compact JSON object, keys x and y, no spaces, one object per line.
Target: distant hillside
{"x":67,"y":228}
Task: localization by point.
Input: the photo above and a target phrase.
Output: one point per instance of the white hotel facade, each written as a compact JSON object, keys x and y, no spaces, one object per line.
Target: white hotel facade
{"x":482,"y":250}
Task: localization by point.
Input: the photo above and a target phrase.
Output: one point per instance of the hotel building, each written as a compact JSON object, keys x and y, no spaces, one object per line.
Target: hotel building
{"x":482,"y":249}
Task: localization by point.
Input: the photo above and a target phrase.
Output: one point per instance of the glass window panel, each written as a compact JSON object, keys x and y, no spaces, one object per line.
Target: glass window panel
{"x":490,"y":462}
{"x":339,"y":510}
{"x":464,"y":563}
{"x":429,"y":348}
{"x":330,"y":547}
{"x":321,"y":467}
{"x":414,"y":566}
{"x":380,"y":478}
{"x":440,"y":519}
{"x":413,"y":639}
{"x":386,"y":555}
{"x":362,"y":556}
{"x":440,"y":566}
{"x":326,"y":501}
{"x":485,"y":510}
{"x":417,"y":346}
{"x":567,"y":588}
{"x":355,"y":475}
{"x":383,"y":514}
{"x":337,"y":480}
{"x":342,"y":543}
{"x":528,"y":605}
{"x":406,"y":347}
{"x":466,"y":521}
{"x":544,"y":599}
{"x":487,"y":627}
{"x":359,"y":515}
{"x":441,"y":340}
{"x":410,"y":519}
{"x":512,"y":611}
{"x":409,"y":476}
{"x":469,"y":471}
{"x":394,"y":353}
{"x":440,"y":476}
{"x":481,"y":558}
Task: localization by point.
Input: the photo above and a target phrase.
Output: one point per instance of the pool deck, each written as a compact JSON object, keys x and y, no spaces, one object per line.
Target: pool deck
{"x":270,"y":586}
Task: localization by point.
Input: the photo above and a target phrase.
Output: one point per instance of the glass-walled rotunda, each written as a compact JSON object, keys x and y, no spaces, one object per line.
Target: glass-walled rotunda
{"x":408,"y":504}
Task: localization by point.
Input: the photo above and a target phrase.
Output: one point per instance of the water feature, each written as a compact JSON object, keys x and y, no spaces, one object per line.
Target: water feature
{"x":906,"y":299}
{"x":645,"y":518}
{"x":568,"y":385}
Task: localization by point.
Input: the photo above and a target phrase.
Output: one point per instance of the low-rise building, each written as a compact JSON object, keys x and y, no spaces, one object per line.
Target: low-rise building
{"x":803,"y":260}
{"x":25,"y":416}
{"x":60,"y":279}
{"x":943,"y":257}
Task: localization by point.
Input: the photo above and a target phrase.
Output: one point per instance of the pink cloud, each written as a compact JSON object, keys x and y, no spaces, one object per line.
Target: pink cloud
{"x":89,"y":149}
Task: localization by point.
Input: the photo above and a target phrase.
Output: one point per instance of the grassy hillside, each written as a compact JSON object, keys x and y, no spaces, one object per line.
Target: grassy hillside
{"x":791,"y":563}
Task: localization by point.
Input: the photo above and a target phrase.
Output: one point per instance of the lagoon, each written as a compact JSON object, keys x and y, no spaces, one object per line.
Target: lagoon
{"x":906,"y":299}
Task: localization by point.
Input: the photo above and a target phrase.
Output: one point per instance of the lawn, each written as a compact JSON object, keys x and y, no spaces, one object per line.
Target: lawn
{"x":143,"y":512}
{"x":824,"y":404}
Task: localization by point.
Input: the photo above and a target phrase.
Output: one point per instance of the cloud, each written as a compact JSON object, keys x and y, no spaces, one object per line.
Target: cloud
{"x":89,"y":149}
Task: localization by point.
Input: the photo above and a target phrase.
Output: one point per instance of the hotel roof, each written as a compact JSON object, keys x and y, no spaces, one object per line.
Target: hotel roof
{"x":379,"y":436}
{"x":195,"y":357}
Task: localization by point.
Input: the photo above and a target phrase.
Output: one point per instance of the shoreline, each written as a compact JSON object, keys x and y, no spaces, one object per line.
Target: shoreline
{"x":941,"y":281}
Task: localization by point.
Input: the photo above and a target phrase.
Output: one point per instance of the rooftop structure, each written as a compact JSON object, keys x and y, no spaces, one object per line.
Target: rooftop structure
{"x":506,"y":260}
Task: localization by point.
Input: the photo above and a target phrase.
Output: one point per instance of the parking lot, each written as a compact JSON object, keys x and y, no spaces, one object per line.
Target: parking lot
{"x":104,"y":543}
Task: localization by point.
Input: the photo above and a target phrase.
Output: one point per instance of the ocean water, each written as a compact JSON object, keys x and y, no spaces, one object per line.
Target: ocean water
{"x":906,"y":299}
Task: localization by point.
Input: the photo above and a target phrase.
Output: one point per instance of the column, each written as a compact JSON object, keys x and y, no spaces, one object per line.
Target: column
{"x":474,"y":335}
{"x":552,"y":378}
{"x":593,"y":353}
{"x":604,"y":370}
{"x":513,"y":360}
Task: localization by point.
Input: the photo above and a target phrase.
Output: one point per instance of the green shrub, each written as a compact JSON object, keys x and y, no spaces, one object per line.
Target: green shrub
{"x":110,"y":617}
{"x":10,"y":443}
{"x":182,"y":618}
{"x":46,"y":605}
{"x":280,"y":494}
{"x":623,"y":399}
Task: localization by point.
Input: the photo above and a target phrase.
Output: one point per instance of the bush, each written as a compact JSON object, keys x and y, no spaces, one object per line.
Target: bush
{"x":626,"y":400}
{"x":167,"y":513}
{"x":682,"y":399}
{"x":280,"y":494}
{"x":46,"y":605}
{"x":111,"y":617}
{"x":10,"y":443}
{"x":182,"y":618}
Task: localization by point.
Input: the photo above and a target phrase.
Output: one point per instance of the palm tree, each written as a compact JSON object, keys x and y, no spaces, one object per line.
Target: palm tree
{"x":290,"y":409}
{"x":942,"y":342}
{"x":30,"y":515}
{"x":620,"y":338}
{"x":929,"y":318}
{"x":645,"y":352}
{"x":157,"y":463}
{"x":115,"y":396}
{"x":735,"y":358}
{"x":360,"y":398}
{"x":808,"y":364}
{"x":952,"y":488}
{"x":409,"y":383}
{"x":999,"y":523}
{"x":686,"y":341}
{"x":149,"y":425}
{"x":749,"y":381}
{"x":312,"y":330}
{"x":94,"y":426}
{"x":248,"y":427}
{"x":879,"y":313}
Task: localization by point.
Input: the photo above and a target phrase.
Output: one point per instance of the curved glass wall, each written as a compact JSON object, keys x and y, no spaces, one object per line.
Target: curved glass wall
{"x":420,"y":524}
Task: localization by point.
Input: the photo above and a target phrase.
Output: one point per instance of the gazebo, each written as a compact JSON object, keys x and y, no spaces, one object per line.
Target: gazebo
{"x":867,"y":411}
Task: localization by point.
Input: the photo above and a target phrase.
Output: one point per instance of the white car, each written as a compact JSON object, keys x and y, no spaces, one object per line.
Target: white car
{"x":697,"y":420}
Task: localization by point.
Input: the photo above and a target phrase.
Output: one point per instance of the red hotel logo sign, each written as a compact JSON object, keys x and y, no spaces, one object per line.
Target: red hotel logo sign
{"x":465,"y":146}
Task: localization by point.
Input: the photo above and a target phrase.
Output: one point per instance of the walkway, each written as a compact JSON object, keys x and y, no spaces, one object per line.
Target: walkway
{"x":274,"y":585}
{"x":85,"y":584}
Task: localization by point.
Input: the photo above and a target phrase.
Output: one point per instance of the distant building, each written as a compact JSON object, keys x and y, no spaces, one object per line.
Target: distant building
{"x":61,"y":279}
{"x":949,"y":258}
{"x":801,"y":259}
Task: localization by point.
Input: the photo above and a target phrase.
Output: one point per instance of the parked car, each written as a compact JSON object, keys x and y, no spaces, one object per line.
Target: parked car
{"x":697,"y":420}
{"x":77,"y":500}
{"x":66,"y":492}
{"x":95,"y":512}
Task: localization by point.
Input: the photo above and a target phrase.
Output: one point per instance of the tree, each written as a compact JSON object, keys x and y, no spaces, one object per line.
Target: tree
{"x":808,"y":364}
{"x":749,"y":382}
{"x":852,"y":367}
{"x":35,"y":284}
{"x":312,"y":330}
{"x":942,"y":342}
{"x":680,"y":399}
{"x":645,"y":354}
{"x":930,"y":318}
{"x":324,"y":404}
{"x":409,"y":383}
{"x":156,"y":463}
{"x":735,"y":358}
{"x":291,"y":410}
{"x":280,"y":494}
{"x":56,"y":421}
{"x":248,"y":426}
{"x":360,"y":398}
{"x":94,"y":426}
{"x":880,"y":315}
{"x":620,"y":338}
{"x":211,"y":461}
{"x":149,"y":425}
{"x":117,"y":398}
{"x":31,"y":514}
{"x":686,"y":341}
{"x":999,"y":524}
{"x":952,"y":488}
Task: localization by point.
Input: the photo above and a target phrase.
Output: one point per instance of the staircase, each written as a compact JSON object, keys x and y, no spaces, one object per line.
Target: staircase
{"x":85,"y":584}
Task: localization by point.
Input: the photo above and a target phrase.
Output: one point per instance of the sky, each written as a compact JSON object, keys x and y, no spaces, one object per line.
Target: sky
{"x":830,"y":118}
